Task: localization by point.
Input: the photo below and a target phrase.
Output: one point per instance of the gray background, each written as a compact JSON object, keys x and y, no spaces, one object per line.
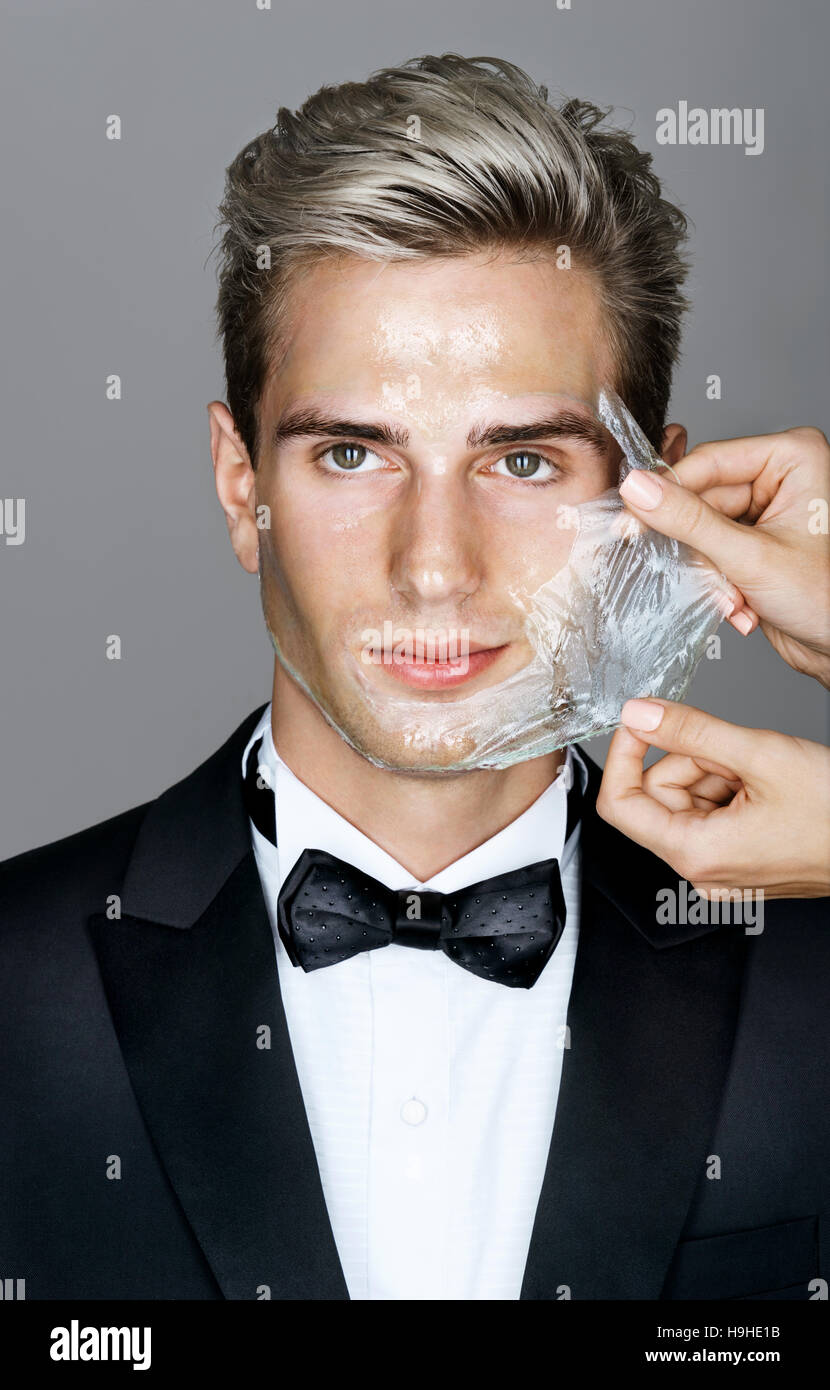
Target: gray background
{"x":105,"y":269}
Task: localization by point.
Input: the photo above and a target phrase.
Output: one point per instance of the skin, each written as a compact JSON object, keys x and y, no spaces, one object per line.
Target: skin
{"x":431,"y":533}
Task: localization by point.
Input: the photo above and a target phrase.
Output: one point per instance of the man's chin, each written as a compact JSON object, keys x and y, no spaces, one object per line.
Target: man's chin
{"x":418,"y":752}
{"x":389,"y":735}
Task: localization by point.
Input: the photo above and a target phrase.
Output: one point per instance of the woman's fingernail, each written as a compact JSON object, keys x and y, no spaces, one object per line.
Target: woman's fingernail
{"x":743,"y":623}
{"x":641,"y":714}
{"x":642,"y":488}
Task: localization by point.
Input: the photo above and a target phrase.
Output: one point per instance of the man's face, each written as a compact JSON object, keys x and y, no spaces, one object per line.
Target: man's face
{"x":429,"y":529}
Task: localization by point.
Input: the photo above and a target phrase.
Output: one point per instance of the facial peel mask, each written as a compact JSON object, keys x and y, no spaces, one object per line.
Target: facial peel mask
{"x":627,"y":614}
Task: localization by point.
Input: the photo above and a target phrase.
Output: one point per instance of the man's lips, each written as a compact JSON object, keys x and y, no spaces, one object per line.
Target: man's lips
{"x":432,"y":674}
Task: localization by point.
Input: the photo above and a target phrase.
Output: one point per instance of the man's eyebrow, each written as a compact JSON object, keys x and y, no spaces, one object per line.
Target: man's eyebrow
{"x":306,"y":422}
{"x":564,"y":424}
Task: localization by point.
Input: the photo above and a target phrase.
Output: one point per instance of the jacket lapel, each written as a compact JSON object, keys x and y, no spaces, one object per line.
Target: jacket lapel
{"x":652,"y":1016}
{"x":192,"y":983}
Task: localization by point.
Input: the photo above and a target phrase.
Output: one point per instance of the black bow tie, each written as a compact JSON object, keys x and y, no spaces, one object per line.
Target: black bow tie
{"x":503,"y":929}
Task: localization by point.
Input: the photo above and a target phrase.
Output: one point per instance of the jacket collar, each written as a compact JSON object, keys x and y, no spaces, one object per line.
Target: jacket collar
{"x":191,"y":839}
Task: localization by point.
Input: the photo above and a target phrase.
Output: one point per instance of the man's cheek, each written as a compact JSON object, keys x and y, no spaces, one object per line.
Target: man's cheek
{"x":530,"y":568}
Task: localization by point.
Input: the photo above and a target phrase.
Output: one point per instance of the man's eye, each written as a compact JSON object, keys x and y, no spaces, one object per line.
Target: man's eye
{"x":525,"y":464}
{"x":350,"y":458}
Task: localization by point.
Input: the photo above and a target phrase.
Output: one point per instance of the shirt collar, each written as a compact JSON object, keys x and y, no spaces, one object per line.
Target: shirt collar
{"x":305,"y":821}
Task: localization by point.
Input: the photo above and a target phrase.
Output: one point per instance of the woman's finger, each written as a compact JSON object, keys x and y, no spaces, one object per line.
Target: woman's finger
{"x":731,"y":500}
{"x":731,"y":750}
{"x":736,"y":462}
{"x":719,"y":791}
{"x":680,"y":783}
{"x":622,"y":799}
{"x":738,"y":551}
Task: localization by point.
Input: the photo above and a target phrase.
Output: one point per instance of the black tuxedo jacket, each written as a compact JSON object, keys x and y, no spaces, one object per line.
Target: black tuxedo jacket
{"x":690,"y":1148}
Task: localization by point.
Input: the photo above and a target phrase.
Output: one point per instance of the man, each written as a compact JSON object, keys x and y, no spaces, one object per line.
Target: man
{"x":265,"y":1041}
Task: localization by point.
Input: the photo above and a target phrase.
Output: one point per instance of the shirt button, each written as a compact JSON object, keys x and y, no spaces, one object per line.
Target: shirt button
{"x":413,"y":1112}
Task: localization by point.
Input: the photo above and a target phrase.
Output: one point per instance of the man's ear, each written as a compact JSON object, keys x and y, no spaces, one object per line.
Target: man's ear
{"x":235,"y":485}
{"x":674,"y":444}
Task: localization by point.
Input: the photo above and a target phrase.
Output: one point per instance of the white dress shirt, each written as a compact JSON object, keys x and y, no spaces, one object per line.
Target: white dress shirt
{"x":430,"y":1092}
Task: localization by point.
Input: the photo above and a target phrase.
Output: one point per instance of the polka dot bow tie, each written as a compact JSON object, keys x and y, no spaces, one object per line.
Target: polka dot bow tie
{"x":503,"y":929}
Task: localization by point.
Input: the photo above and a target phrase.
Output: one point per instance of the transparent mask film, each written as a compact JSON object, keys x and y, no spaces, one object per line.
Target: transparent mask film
{"x":594,"y":608}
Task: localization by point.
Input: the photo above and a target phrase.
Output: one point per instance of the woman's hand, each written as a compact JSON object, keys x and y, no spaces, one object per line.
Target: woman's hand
{"x":780,"y":561}
{"x":728,"y":807}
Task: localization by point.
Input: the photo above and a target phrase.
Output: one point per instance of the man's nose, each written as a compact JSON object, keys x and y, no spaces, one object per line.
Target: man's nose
{"x":435,"y":556}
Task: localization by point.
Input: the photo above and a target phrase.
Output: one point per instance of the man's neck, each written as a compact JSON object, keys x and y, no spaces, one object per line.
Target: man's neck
{"x":424,"y":822}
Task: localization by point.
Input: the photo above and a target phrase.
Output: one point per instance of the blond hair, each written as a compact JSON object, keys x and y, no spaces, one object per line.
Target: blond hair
{"x":445,"y":156}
